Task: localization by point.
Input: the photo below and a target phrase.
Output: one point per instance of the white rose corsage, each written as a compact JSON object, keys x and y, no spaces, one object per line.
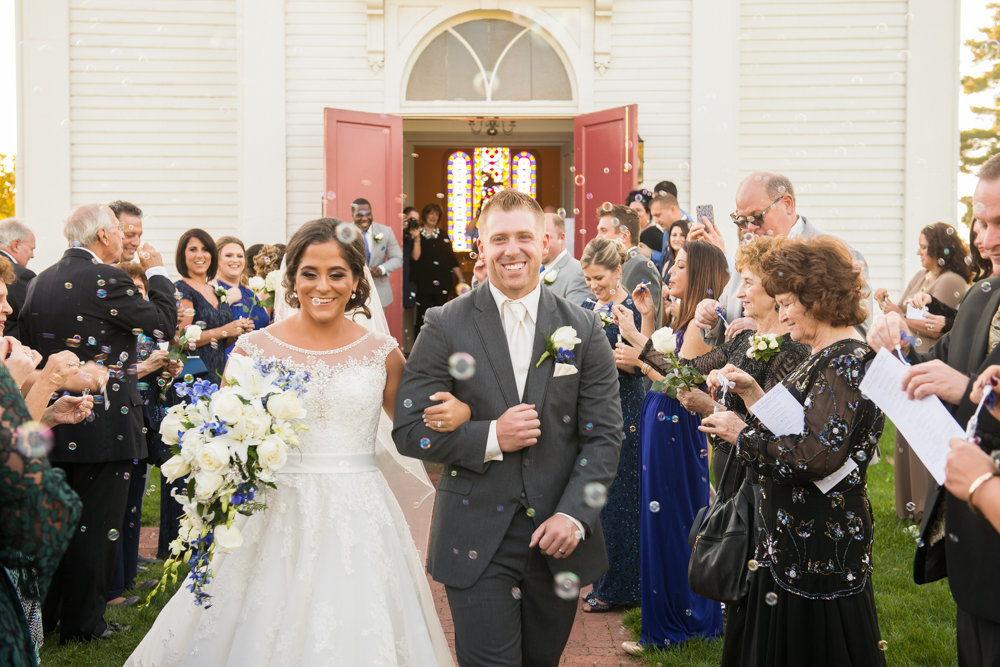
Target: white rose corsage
{"x":549,"y":276}
{"x":606,"y":319}
{"x":222,"y":294}
{"x":378,"y":238}
{"x":680,"y":376}
{"x":763,"y":347}
{"x":559,"y":345}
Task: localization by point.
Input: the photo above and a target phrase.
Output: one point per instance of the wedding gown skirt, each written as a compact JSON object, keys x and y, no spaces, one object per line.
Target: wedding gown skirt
{"x":328,"y":574}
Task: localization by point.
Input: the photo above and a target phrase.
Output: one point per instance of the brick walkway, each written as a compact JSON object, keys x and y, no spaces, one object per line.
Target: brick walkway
{"x":595,"y":641}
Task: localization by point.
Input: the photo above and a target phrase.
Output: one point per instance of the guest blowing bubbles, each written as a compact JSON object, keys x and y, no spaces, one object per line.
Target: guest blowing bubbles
{"x":811,"y":602}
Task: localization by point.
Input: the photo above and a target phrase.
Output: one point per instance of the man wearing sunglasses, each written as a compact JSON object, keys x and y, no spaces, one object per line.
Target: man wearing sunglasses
{"x":765,"y":206}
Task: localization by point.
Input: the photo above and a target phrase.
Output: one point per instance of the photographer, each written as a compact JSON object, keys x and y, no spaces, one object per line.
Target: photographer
{"x":434,"y":263}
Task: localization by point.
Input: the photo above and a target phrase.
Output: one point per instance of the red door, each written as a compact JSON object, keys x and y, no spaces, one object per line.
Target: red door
{"x":606,"y":161}
{"x":364,"y":158}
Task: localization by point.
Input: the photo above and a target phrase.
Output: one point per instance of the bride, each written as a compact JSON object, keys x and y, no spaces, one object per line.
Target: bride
{"x":328,"y":574}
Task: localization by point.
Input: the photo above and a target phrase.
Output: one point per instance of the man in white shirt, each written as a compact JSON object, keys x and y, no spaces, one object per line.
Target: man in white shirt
{"x":560,"y":272}
{"x":381,"y":248}
{"x":765,"y":206}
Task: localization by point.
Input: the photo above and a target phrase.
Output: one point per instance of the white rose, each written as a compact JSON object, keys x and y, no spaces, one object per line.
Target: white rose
{"x":272,"y":453}
{"x":550,"y":276}
{"x":213,"y":456}
{"x":191,"y":442}
{"x":664,"y":341}
{"x":227,"y":406}
{"x":286,"y":405}
{"x":227,"y":540}
{"x":170,"y":425}
{"x":256,"y":283}
{"x":206,"y":483}
{"x":565,"y":338}
{"x":175,"y":468}
{"x":258,"y":426}
{"x":192,"y":333}
{"x":774,"y":344}
{"x":272,"y":281}
{"x":762,"y":345}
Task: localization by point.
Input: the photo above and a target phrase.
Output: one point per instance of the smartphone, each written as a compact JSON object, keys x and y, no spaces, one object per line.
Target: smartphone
{"x":705,"y":211}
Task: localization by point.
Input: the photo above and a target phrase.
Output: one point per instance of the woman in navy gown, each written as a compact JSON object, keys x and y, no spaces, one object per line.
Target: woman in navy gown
{"x":232,"y":262}
{"x":602,"y":261}
{"x":673,"y":458}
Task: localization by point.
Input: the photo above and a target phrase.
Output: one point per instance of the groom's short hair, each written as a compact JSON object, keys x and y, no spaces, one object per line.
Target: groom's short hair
{"x":510,"y":200}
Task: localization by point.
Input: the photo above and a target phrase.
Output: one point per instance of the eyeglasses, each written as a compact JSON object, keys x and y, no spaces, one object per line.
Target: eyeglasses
{"x":755,"y":220}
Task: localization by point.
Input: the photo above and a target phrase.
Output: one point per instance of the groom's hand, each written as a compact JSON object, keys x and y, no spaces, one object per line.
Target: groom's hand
{"x":557,"y":537}
{"x":518,"y":428}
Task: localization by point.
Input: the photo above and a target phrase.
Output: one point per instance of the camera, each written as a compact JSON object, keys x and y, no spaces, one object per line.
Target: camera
{"x":412,"y":223}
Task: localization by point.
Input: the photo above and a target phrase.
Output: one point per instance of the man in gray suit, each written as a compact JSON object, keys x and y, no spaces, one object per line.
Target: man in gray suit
{"x":511,"y":521}
{"x":381,"y":248}
{"x":765,"y":206}
{"x":621,"y":223}
{"x":560,"y":272}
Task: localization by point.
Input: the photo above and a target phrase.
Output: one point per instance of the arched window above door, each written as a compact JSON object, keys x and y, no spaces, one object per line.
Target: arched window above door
{"x":489,"y":60}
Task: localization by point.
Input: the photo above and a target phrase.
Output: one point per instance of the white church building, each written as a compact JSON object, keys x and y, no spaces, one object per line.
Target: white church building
{"x":251,"y":117}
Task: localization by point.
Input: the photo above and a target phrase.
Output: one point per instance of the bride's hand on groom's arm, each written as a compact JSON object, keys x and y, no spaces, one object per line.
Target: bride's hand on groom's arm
{"x":447,"y":415}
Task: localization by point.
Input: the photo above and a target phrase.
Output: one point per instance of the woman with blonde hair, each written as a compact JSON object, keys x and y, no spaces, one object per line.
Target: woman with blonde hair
{"x":602,"y":261}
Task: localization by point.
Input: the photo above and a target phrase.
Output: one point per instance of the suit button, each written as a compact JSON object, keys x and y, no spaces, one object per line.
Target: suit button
{"x":522,"y":495}
{"x":526,"y":463}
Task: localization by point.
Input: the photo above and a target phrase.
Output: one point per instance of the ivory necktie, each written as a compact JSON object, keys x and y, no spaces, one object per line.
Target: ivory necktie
{"x":518,"y":341}
{"x":994,"y":332}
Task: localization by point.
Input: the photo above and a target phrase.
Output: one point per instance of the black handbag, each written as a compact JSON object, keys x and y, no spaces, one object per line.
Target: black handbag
{"x":722,"y":539}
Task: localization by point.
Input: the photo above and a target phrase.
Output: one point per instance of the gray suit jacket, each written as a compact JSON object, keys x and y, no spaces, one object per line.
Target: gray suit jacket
{"x":581,"y":427}
{"x":637,"y":268}
{"x":733,"y":307}
{"x":569,"y":282}
{"x":384,"y":253}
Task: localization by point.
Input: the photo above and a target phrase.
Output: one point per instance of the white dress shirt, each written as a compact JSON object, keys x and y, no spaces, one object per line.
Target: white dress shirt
{"x":530,"y":302}
{"x":556,"y":260}
{"x":797,"y":228}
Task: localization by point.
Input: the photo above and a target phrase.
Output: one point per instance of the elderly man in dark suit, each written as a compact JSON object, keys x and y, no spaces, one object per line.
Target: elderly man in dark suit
{"x":17,"y":242}
{"x":955,"y":542}
{"x":512,"y":517}
{"x":83,"y":304}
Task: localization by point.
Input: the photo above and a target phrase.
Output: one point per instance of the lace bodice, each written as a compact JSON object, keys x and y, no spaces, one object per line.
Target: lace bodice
{"x":343,"y":400}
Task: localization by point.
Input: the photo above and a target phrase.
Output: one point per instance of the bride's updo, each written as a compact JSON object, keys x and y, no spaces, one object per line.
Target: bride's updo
{"x":324,"y":230}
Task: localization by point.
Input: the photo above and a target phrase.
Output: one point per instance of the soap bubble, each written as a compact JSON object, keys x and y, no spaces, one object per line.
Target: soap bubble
{"x":607,"y":171}
{"x":986,"y":287}
{"x":752,"y":565}
{"x":589,"y":426}
{"x":661,"y":416}
{"x":579,"y":179}
{"x":883,"y":645}
{"x":113,"y":535}
{"x":771,"y":599}
{"x":595,"y":495}
{"x":516,"y":593}
{"x":461,"y":365}
{"x":567,"y":585}
{"x":911,"y":506}
{"x":654,"y":507}
{"x":425,"y":443}
{"x":346,"y":232}
{"x":473,"y":555}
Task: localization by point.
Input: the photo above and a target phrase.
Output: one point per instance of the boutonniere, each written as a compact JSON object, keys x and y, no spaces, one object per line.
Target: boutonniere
{"x":606,"y":319}
{"x":559,"y":345}
{"x":549,"y":276}
{"x":763,"y":347}
{"x":378,"y":237}
{"x":680,"y":376}
{"x":222,"y":294}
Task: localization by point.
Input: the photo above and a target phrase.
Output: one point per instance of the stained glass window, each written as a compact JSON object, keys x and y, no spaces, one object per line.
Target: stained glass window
{"x":459,"y":199}
{"x":492,"y":173}
{"x":524,"y":173}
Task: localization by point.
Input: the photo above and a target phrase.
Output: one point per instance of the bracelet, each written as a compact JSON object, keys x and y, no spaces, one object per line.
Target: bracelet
{"x":645,"y":368}
{"x":982,"y":479}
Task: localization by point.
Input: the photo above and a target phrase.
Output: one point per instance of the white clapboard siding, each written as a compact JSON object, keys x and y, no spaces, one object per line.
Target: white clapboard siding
{"x":326,"y":45}
{"x":823,"y":100}
{"x":153,"y":91}
{"x":651,"y":67}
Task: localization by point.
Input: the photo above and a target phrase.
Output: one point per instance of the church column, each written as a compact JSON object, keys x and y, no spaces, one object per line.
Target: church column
{"x":260,"y":31}
{"x":44,"y":186}
{"x":715,"y":96}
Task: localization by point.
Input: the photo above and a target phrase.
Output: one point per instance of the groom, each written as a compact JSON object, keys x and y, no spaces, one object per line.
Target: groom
{"x":511,"y":522}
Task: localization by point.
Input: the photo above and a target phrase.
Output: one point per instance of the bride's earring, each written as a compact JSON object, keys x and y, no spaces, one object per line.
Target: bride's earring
{"x":353,"y":295}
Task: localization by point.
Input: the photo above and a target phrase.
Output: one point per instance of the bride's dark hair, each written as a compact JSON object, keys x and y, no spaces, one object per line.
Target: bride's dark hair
{"x":324,"y":230}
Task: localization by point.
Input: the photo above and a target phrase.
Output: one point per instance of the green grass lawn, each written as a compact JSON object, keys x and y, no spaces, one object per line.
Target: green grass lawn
{"x":917,"y":621}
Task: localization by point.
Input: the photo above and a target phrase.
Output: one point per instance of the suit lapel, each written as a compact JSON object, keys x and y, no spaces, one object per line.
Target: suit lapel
{"x":538,"y":378}
{"x":491,"y":333}
{"x":981,"y":338}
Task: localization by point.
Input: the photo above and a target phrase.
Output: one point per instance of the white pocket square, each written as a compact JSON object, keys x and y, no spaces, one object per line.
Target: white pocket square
{"x":564,"y":369}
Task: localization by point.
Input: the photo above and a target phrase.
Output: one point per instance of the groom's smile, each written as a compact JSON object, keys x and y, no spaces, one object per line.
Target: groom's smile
{"x":513,"y":245}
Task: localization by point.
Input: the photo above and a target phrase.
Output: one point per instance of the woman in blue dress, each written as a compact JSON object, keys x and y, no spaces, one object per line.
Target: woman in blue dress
{"x":231,"y":276}
{"x":673,"y":457}
{"x":602,"y":261}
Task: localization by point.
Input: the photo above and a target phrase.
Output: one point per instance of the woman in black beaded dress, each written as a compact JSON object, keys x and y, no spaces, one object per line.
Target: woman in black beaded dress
{"x":602,"y":260}
{"x":811,"y":601}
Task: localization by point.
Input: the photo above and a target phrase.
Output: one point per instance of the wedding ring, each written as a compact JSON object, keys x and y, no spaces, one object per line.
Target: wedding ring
{"x":561,"y":551}
{"x":439,"y":423}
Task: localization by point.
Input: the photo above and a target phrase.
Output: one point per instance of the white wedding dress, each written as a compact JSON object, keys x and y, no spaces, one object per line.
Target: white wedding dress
{"x":328,"y":574}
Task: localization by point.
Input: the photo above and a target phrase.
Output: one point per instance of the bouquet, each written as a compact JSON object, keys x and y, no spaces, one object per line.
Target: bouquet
{"x":680,"y":376}
{"x":186,"y":342}
{"x":266,"y":286}
{"x":763,"y":346}
{"x":228,"y":442}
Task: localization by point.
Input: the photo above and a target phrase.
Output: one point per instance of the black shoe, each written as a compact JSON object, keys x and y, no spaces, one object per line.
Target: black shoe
{"x":130,"y":601}
{"x":148,"y":561}
{"x":149,"y":583}
{"x":117,"y":628}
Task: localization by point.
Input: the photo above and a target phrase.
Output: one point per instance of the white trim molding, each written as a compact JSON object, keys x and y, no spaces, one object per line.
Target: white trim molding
{"x":602,"y":35}
{"x":376,"y":34}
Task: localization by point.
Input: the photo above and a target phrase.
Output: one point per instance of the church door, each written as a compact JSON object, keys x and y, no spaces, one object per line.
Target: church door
{"x":363,"y":157}
{"x":606,"y":164}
